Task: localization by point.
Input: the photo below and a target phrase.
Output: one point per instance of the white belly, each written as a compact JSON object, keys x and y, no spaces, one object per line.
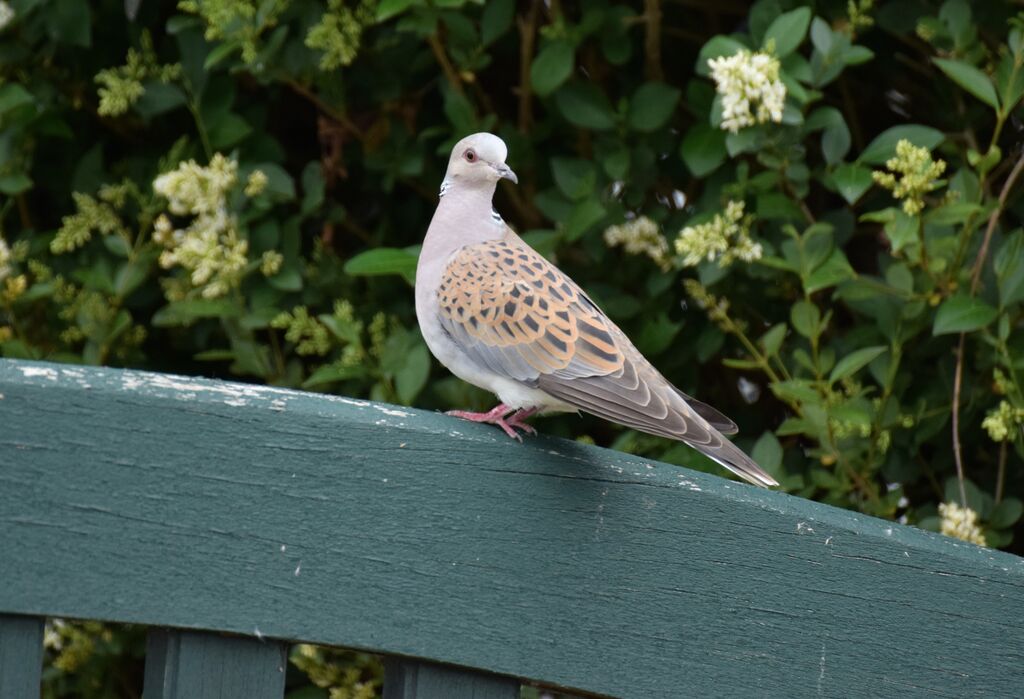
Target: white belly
{"x":509,"y":391}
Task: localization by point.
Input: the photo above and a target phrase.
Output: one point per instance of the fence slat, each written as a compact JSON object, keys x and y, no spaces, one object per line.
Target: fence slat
{"x":195,"y":665}
{"x":21,"y":656}
{"x":412,"y":679}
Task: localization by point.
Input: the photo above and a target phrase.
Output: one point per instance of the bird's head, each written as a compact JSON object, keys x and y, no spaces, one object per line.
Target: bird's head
{"x":479,"y":160}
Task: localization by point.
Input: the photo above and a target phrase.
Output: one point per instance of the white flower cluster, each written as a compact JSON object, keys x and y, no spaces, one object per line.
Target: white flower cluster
{"x":209,"y":248}
{"x":194,"y":189}
{"x":725,"y":238}
{"x":640,"y":237}
{"x":961,"y":523}
{"x":6,"y":14}
{"x":5,"y":259}
{"x":744,"y":80}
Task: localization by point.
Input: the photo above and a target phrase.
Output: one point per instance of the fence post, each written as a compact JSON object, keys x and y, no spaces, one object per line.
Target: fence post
{"x":414,"y":679}
{"x":21,"y":656}
{"x":196,"y":665}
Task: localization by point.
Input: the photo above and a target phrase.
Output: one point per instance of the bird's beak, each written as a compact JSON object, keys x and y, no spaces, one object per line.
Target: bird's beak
{"x":505,"y":172}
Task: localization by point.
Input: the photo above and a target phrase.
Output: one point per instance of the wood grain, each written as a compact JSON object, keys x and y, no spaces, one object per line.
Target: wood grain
{"x":179,"y":502}
{"x":191,"y":665}
{"x":411,"y":679}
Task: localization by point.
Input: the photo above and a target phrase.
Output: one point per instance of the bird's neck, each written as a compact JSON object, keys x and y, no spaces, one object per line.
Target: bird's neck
{"x":463,"y":217}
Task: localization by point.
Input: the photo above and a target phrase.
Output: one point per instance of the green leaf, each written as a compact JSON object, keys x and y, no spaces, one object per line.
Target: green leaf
{"x":851,"y":181}
{"x":12,"y":96}
{"x":835,"y":141}
{"x":652,"y":106}
{"x":771,"y":341}
{"x":496,"y":19}
{"x":551,"y":67}
{"x":229,"y":131}
{"x":1009,"y":82}
{"x":159,"y":99}
{"x":715,"y":47}
{"x":953,"y":214}
{"x":332,"y":373}
{"x":585,"y":105}
{"x":383,"y":261}
{"x":788,"y":31}
{"x":15,"y":183}
{"x":280,"y":183}
{"x":412,"y":376}
{"x":1009,"y":266}
{"x":187,"y":311}
{"x":130,"y":276}
{"x":744,"y":364}
{"x":821,"y":36}
{"x":883,"y":146}
{"x":970,"y":79}
{"x":69,"y":22}
{"x":767,"y":452}
{"x":703,"y":149}
{"x":901,"y":230}
{"x":806,"y":319}
{"x":796,"y":390}
{"x":856,"y":55}
{"x":1006,"y":513}
{"x":583,"y":217}
{"x":854,"y":362}
{"x":389,"y":8}
{"x":961,"y":314}
{"x":220,"y":53}
{"x":574,"y":176}
{"x":836,"y":268}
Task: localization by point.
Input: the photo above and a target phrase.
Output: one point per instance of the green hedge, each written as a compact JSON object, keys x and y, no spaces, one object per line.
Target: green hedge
{"x":807,"y":214}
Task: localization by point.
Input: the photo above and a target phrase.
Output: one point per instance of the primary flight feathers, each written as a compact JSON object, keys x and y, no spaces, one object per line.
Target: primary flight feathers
{"x":502,"y":317}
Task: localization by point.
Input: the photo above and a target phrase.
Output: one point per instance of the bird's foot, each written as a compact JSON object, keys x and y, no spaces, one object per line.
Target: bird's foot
{"x":516,"y":420}
{"x":496,"y":416}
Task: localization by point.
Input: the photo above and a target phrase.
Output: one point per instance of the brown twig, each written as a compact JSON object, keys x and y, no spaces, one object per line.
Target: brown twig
{"x":979,"y":263}
{"x":446,"y":65}
{"x":527,"y":41}
{"x":1001,"y":475}
{"x":652,"y":39}
{"x":957,"y":381}
{"x":327,"y":109}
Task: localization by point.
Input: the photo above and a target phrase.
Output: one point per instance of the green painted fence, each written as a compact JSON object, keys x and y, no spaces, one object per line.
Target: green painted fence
{"x":235,"y":519}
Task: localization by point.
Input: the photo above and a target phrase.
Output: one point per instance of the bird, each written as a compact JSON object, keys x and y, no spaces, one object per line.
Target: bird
{"x":502,"y":317}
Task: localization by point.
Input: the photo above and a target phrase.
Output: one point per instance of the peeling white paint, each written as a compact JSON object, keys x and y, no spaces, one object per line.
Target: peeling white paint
{"x":34,"y":371}
{"x":393,"y":413}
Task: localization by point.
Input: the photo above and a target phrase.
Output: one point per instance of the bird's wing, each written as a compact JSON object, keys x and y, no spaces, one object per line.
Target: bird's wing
{"x":516,"y":314}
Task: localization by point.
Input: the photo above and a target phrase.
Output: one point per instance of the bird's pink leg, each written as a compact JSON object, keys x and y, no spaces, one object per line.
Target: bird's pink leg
{"x":516,"y":420}
{"x":496,"y":416}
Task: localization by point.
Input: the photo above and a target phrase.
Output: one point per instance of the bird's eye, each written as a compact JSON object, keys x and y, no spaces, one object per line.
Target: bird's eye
{"x":469,"y":155}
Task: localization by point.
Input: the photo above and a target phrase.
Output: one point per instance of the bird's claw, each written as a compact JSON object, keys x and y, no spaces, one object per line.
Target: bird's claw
{"x":496,"y":416}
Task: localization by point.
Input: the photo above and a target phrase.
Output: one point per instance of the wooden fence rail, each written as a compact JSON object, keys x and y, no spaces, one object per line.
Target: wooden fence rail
{"x":234,"y":519}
